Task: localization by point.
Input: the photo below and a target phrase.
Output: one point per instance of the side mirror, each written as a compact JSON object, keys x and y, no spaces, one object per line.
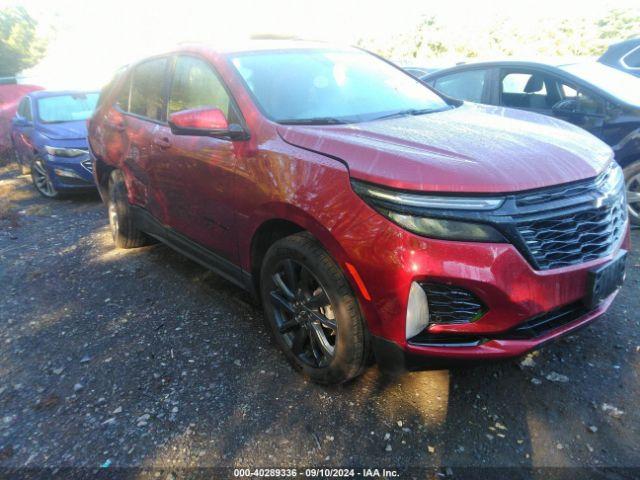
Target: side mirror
{"x":20,"y":122}
{"x":209,"y":122}
{"x":565,"y":107}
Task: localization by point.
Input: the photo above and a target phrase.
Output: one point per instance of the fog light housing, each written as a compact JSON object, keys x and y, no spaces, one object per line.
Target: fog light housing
{"x":417,"y":311}
{"x":61,"y":172}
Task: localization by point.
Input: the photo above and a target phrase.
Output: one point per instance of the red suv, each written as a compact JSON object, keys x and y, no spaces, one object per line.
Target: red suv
{"x":368,"y":213}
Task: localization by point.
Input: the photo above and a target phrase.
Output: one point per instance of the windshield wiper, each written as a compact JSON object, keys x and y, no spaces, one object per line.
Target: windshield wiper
{"x":409,"y":111}
{"x":313,"y":121}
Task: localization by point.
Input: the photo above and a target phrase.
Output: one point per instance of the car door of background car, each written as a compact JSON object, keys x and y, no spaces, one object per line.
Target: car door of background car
{"x":23,"y":131}
{"x":542,"y":92}
{"x":195,"y":173}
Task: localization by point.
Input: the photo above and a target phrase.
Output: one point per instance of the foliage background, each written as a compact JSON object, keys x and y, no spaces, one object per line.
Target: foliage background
{"x":20,"y":45}
{"x":432,"y":38}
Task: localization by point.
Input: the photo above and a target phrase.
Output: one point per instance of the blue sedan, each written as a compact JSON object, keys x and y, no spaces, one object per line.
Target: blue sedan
{"x":49,"y":134}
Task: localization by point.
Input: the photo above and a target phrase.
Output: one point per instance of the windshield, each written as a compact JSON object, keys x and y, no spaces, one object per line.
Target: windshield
{"x":66,"y":108}
{"x":615,"y":82}
{"x":331,"y":86}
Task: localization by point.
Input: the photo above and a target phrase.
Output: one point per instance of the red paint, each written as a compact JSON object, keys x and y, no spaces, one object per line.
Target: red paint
{"x":10,"y":96}
{"x":220,"y":192}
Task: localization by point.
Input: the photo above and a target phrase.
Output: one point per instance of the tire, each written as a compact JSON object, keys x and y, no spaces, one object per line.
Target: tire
{"x":41,"y":179}
{"x":632,"y":182}
{"x":123,"y":230}
{"x":306,"y":298}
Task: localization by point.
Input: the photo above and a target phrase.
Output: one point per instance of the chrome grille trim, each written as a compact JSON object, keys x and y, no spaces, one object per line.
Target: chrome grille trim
{"x":87,"y":164}
{"x":563,"y":238}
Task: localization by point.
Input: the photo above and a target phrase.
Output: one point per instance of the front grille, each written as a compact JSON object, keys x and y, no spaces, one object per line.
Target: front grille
{"x":452,"y":305}
{"x":557,"y":193}
{"x":547,"y":322}
{"x":87,"y":165}
{"x":563,"y":239}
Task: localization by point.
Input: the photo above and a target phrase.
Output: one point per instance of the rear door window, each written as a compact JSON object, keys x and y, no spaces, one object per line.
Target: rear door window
{"x":147,"y":89}
{"x":467,"y":85}
{"x":195,"y":85}
{"x":526,"y":90}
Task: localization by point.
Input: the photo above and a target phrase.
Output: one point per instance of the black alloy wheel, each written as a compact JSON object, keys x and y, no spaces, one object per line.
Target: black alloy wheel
{"x":303,"y":313}
{"x":312,"y":312}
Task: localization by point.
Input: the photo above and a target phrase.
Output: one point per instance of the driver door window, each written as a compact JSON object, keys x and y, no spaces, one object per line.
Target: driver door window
{"x":195,"y":85}
{"x":585,"y":103}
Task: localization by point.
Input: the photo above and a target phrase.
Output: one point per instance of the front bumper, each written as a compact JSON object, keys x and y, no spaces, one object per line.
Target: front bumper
{"x":512,"y":291}
{"x":70,"y":173}
{"x":392,"y":358}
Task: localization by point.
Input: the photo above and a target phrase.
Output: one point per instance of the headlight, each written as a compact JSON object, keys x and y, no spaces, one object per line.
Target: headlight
{"x":426,"y":201}
{"x":64,"y":152}
{"x":612,"y":180}
{"x":411,"y":212}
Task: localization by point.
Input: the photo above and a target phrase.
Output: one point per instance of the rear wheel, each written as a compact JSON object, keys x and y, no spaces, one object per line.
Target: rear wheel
{"x":121,"y":222}
{"x":42,"y":179}
{"x":312,"y":312}
{"x":632,"y":181}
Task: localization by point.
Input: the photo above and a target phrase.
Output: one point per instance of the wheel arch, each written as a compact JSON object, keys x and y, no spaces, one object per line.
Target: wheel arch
{"x":628,"y":160}
{"x":101,"y":175}
{"x":284,"y":220}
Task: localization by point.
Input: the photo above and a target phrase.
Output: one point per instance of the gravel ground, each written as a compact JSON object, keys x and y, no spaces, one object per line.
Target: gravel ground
{"x":143,"y":358}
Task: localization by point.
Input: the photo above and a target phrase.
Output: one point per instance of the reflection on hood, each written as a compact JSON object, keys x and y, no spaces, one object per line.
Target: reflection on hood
{"x":472,"y":148}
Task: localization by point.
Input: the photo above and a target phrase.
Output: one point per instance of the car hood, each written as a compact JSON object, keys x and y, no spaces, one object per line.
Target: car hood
{"x":64,"y":130}
{"x":471,"y":148}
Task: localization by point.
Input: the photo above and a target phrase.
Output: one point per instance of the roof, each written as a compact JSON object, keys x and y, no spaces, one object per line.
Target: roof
{"x":631,"y":42}
{"x":260,"y":45}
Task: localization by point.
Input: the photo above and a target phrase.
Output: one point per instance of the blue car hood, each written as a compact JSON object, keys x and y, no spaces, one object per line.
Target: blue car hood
{"x":65,"y":130}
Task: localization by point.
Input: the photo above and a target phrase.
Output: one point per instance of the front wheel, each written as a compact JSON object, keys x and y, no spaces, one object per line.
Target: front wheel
{"x":312,"y":312}
{"x":42,"y":179}
{"x":632,"y":182}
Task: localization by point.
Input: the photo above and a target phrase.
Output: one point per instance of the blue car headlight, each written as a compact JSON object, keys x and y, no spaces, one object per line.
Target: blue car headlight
{"x":64,"y":152}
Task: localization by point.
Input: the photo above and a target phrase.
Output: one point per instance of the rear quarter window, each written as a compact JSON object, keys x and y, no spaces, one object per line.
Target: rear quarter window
{"x":467,"y":85}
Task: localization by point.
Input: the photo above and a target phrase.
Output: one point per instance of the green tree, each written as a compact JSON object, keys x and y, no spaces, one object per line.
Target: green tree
{"x":430,"y":39}
{"x":20,"y":46}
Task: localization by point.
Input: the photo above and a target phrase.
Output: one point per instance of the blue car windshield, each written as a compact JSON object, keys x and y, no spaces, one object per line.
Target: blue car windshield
{"x":66,"y":108}
{"x":620,"y":84}
{"x":316,"y":86}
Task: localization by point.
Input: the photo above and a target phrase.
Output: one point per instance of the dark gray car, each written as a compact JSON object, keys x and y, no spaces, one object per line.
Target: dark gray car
{"x":600,"y":99}
{"x":624,"y":56}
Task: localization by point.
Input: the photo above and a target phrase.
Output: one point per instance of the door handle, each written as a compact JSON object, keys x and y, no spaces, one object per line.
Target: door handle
{"x":162,"y":142}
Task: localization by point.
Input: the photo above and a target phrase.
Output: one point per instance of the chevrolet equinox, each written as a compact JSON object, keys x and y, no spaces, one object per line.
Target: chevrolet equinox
{"x":373,"y":217}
